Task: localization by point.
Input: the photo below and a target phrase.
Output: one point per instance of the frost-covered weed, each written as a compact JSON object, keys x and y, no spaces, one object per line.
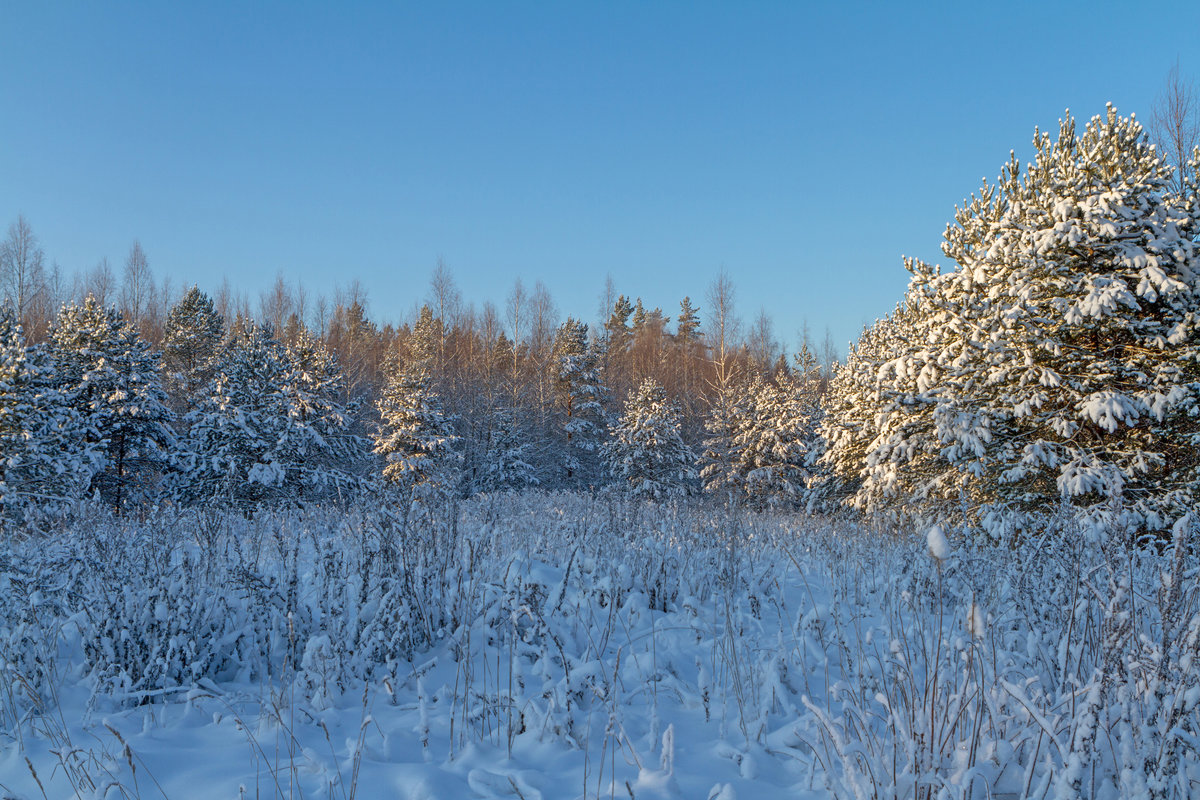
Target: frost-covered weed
{"x":1041,"y":669}
{"x":1059,"y":665}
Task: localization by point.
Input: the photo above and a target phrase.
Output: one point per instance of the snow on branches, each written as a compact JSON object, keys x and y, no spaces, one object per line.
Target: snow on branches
{"x":1058,"y":362}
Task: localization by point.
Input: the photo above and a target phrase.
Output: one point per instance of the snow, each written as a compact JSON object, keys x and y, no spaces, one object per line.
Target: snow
{"x":565,"y":646}
{"x":939,"y":548}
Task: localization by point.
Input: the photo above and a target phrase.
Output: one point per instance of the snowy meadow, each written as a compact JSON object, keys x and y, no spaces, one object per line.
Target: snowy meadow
{"x":560,"y":645}
{"x":270,"y":558}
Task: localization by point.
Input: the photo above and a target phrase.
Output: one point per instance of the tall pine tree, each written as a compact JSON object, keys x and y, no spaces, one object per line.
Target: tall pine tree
{"x":111,"y":379}
{"x":1059,"y":362}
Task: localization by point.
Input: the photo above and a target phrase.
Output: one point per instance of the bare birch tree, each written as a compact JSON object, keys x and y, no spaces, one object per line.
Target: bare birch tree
{"x":21,"y":271}
{"x":1175,"y":123}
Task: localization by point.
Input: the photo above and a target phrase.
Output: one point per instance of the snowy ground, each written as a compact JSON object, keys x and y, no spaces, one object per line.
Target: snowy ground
{"x":554,"y":646}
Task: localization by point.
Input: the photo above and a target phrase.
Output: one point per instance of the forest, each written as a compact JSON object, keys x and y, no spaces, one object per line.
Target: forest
{"x":1056,"y":364}
{"x":145,"y":397}
{"x":491,"y":552}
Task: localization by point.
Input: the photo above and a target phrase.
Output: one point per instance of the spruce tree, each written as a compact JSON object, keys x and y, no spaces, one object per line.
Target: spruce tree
{"x":333,"y":453}
{"x":270,"y":430}
{"x":645,"y":451}
{"x":237,"y":443}
{"x":506,"y":461}
{"x":579,"y":395}
{"x":719,"y":474}
{"x":416,"y":437}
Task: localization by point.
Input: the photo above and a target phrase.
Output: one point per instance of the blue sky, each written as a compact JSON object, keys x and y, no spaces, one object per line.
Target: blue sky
{"x":802,"y":148}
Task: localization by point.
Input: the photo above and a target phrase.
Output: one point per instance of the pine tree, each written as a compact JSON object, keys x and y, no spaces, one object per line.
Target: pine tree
{"x":1060,"y":360}
{"x":719,"y":473}
{"x":687,"y":327}
{"x":579,"y":394}
{"x":506,"y":461}
{"x":333,"y":454}
{"x":191,"y":341}
{"x":788,"y":461}
{"x":616,"y":347}
{"x":770,"y":443}
{"x":43,"y":458}
{"x":616,"y":328}
{"x":416,"y":437}
{"x":850,"y":414}
{"x":270,"y":430}
{"x":645,"y":451}
{"x":111,"y":378}
{"x":237,"y":432}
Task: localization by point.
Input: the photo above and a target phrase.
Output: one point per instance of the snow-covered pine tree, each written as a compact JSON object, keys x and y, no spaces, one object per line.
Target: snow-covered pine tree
{"x":271,"y":429}
{"x":111,"y":378}
{"x":850,"y":410}
{"x":770,"y":441}
{"x":719,"y":475}
{"x":645,"y":451}
{"x":334,"y":455}
{"x":1060,"y":360}
{"x":762,"y":435}
{"x":238,"y":443}
{"x":798,"y":441}
{"x":43,"y":460}
{"x":579,"y":395}
{"x":416,"y":437}
{"x":191,"y":342}
{"x":505,"y":464}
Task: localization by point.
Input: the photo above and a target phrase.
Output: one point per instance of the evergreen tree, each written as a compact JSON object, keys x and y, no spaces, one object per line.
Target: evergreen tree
{"x":849,"y":414}
{"x":358,"y":345}
{"x":416,"y":437}
{"x":579,"y":394}
{"x":111,"y":379}
{"x":506,"y":461}
{"x":43,"y":456}
{"x":687,"y":327}
{"x":719,"y":471}
{"x":237,"y":456}
{"x":688,"y":367}
{"x":616,"y":344}
{"x":191,"y":341}
{"x":334,"y":455}
{"x":270,"y":430}
{"x":1060,"y":360}
{"x":775,"y":433}
{"x":645,"y":451}
{"x":639,"y":316}
{"x":616,"y":328}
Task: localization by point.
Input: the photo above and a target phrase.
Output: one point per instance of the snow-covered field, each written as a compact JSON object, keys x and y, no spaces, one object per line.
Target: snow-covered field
{"x":563,"y":646}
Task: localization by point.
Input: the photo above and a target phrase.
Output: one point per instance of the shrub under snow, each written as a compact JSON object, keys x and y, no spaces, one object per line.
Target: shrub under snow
{"x":578,"y":646}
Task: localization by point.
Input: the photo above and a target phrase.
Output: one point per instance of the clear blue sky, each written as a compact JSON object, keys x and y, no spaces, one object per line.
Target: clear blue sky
{"x":804,"y":148}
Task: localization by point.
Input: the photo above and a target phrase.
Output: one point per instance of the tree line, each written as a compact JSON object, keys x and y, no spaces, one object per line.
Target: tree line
{"x":202,"y":399}
{"x":1054,"y":367}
